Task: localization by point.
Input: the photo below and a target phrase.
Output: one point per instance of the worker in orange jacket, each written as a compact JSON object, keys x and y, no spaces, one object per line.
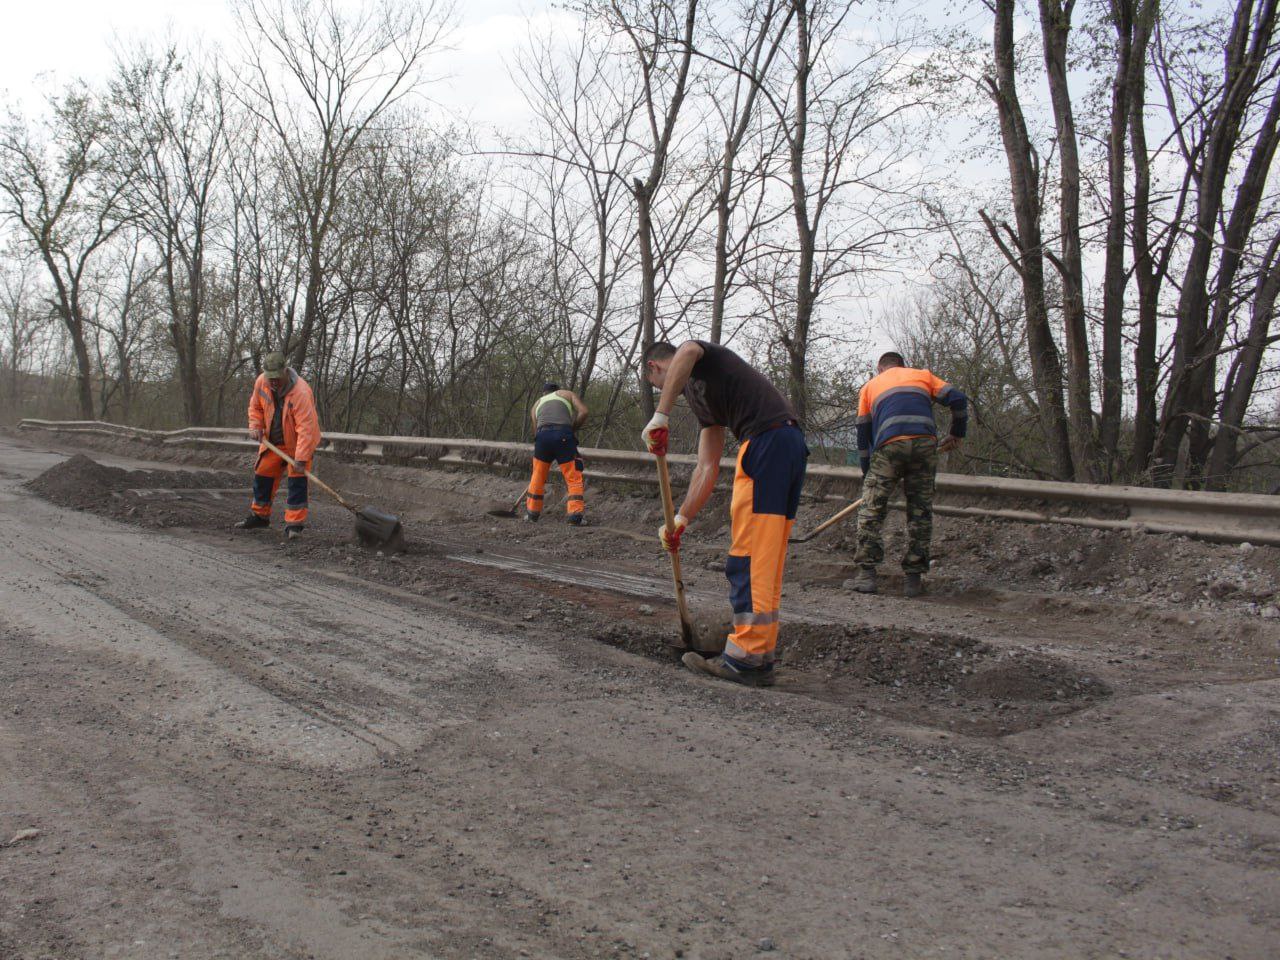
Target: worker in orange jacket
{"x":898,"y":441}
{"x":282,"y":409}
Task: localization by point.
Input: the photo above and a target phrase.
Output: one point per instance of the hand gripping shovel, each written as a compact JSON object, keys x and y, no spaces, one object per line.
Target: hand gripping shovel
{"x":827,"y":523}
{"x":374,"y":528}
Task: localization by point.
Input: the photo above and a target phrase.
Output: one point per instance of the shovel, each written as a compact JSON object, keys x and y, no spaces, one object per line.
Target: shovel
{"x":827,"y":523}
{"x":514,"y":509}
{"x":507,"y":511}
{"x":374,"y":528}
{"x":669,"y":517}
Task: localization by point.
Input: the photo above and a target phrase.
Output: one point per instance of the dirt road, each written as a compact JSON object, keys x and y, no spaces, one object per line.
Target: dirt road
{"x":236,"y":747}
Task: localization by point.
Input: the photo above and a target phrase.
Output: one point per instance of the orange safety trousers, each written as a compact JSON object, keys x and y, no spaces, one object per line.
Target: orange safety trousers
{"x":266,"y":480}
{"x":556,"y":444}
{"x":766,"y":495}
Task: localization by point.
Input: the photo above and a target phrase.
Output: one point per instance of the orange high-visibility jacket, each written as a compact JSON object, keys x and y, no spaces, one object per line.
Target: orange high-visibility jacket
{"x":897,"y":405}
{"x":300,"y":423}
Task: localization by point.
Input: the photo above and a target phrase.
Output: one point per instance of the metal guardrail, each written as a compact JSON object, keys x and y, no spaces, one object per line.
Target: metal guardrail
{"x":1222,"y":517}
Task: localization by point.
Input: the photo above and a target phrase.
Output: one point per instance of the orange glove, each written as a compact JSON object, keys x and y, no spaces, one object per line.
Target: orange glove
{"x":670,"y":539}
{"x":655,"y":435}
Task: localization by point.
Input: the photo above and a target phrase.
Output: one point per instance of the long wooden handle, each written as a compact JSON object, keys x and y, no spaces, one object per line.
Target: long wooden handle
{"x":837,"y":518}
{"x":310,"y":476}
{"x":669,"y":516}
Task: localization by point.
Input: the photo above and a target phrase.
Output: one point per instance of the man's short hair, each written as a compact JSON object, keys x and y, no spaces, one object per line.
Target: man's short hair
{"x":658,"y":351}
{"x":550,"y":387}
{"x":891,"y":359}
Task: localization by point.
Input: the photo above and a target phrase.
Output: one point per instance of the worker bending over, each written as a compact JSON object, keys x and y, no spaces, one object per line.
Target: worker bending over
{"x":557,"y":415}
{"x":897,"y":440}
{"x":723,"y":390}
{"x":281,"y":409}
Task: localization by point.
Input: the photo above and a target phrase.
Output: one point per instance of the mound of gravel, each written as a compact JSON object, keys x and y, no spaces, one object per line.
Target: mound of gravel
{"x":78,"y":482}
{"x":82,"y":483}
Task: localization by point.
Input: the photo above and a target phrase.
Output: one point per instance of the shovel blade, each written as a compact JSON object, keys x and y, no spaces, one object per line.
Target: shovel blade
{"x":378,"y":529}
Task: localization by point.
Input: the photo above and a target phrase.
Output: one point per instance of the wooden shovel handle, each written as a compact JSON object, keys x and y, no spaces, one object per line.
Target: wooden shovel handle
{"x":310,"y":476}
{"x":669,"y":517}
{"x":837,"y":518}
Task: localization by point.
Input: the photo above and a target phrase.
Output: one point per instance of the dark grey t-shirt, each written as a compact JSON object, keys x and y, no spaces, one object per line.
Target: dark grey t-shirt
{"x":726,"y":391}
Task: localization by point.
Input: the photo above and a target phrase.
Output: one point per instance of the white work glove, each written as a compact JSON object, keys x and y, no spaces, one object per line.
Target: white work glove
{"x":656,"y":434}
{"x":671,"y":538}
{"x":255,"y":433}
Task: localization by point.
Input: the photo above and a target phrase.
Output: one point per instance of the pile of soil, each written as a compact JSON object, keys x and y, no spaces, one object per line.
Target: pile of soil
{"x":85,"y":484}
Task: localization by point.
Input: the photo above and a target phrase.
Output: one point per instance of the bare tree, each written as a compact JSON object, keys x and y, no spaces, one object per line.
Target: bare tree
{"x":661,"y":35}
{"x":1024,"y":246}
{"x":747,"y":51}
{"x":319,"y":78}
{"x":21,"y":316}
{"x":171,"y":131}
{"x":845,"y":120}
{"x":1055,"y":32}
{"x":580,"y":202}
{"x":1222,"y":224}
{"x":53,"y":189}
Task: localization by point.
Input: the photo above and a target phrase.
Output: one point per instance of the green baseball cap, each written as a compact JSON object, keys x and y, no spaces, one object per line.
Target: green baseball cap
{"x":273,"y":364}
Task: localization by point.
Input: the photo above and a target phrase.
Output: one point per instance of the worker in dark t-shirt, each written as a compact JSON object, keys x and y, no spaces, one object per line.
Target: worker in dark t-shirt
{"x":723,"y":390}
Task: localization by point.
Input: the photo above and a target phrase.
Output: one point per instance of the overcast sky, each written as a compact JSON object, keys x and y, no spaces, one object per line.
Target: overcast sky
{"x":61,"y":40}
{"x":50,"y":42}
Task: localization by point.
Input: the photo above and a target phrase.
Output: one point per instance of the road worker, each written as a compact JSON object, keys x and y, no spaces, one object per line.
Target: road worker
{"x":282,"y":410}
{"x":724,"y":391}
{"x":897,"y":440}
{"x":556,"y":417}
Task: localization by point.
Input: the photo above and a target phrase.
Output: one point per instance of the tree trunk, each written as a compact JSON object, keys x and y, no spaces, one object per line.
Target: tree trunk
{"x":84,"y":369}
{"x":1055,"y":23}
{"x":1244,"y":373}
{"x":1024,"y":176}
{"x":648,"y":282}
{"x":1123,"y":82}
{"x":1145,"y":269}
{"x":1245,"y":52}
{"x":719,"y":293}
{"x":797,"y":342}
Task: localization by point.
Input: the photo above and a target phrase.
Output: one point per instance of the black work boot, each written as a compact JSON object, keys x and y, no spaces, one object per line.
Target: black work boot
{"x":531,"y":517}
{"x":575,"y":519}
{"x":253,"y":522}
{"x":719,"y":667}
{"x":293,"y":531}
{"x":864,"y":582}
{"x":912,"y":585}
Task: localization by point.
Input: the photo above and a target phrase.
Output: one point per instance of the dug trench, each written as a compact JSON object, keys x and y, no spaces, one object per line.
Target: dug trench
{"x":1025,"y":660}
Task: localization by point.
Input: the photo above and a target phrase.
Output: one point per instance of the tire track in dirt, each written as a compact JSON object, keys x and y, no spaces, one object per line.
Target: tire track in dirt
{"x":359,"y":680}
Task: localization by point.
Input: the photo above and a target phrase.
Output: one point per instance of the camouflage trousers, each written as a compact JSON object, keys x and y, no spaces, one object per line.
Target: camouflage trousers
{"x":915,"y":463}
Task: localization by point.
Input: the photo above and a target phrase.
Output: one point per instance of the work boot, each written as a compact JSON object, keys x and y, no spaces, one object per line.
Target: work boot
{"x":912,"y":585}
{"x":253,"y":522}
{"x":864,"y":582}
{"x":718,"y":666}
{"x":575,"y":519}
{"x":531,"y":517}
{"x":293,"y":531}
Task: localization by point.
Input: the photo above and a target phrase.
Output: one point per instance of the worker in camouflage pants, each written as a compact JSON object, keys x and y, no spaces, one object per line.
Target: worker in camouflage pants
{"x":915,"y":463}
{"x":898,"y":440}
